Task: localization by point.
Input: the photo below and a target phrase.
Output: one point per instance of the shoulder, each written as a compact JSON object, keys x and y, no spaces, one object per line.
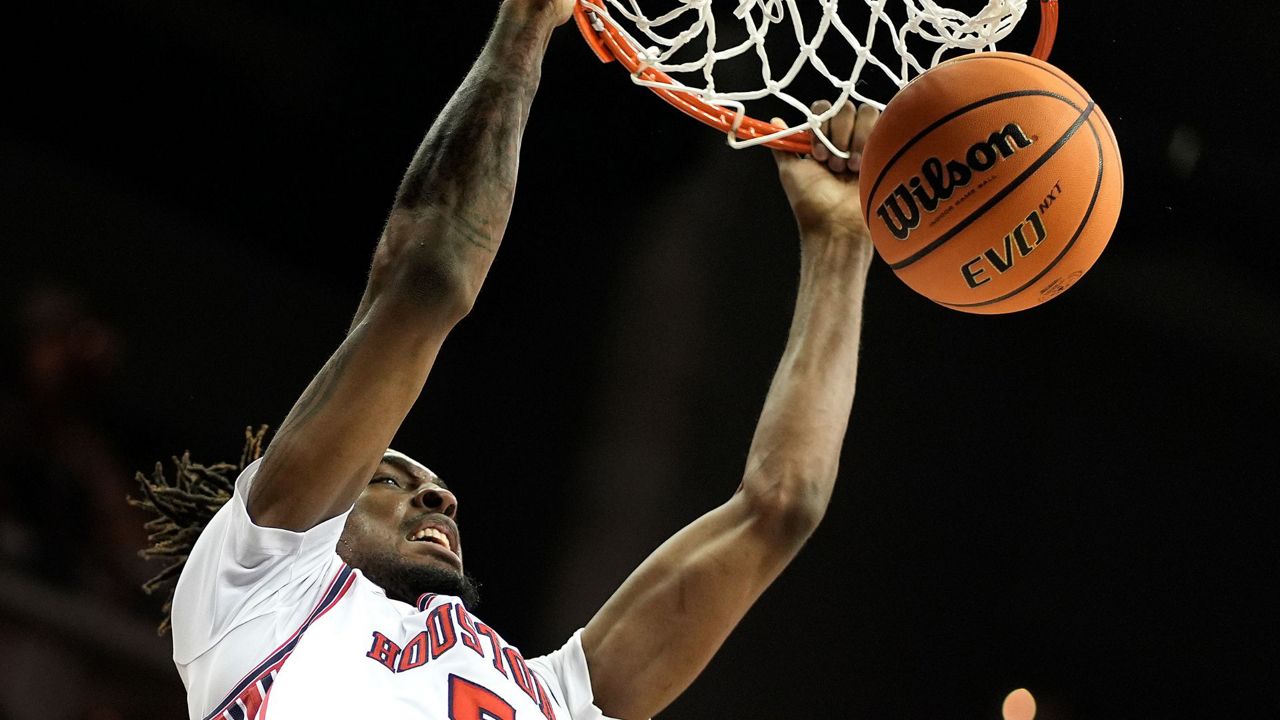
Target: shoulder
{"x":238,"y":571}
{"x":569,"y":678}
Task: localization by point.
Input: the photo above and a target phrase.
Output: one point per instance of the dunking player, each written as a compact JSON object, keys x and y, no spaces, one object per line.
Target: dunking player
{"x":330,"y":584}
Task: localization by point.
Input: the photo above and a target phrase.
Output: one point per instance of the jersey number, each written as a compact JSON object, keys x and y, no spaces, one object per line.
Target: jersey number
{"x":469,"y":701}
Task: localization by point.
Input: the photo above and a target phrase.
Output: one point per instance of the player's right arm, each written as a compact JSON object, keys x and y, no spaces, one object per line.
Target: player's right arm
{"x":435,"y":251}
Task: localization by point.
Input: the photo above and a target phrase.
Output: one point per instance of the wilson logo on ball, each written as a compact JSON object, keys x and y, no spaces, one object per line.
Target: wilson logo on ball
{"x":901,"y":210}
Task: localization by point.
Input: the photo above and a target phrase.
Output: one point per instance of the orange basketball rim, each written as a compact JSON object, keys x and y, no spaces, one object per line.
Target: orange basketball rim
{"x":610,"y":44}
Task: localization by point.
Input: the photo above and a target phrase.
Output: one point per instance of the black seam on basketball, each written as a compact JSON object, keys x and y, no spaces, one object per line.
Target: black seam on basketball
{"x":1084,"y":222}
{"x":1051,"y":69}
{"x":1115,"y":143}
{"x":1004,"y":192}
{"x":943,"y":121}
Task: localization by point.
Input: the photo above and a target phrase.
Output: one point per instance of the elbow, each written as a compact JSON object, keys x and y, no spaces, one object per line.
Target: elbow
{"x":788,"y":504}
{"x":409,"y":271}
{"x":440,"y":290}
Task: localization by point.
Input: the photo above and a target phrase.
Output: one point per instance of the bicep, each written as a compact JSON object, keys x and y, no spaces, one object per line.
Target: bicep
{"x":330,"y":443}
{"x":661,"y":628}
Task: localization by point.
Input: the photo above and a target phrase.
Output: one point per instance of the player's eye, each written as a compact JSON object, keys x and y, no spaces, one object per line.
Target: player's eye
{"x":385,"y":479}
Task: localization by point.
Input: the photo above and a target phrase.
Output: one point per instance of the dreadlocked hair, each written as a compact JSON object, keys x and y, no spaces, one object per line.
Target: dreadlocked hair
{"x":183,"y":507}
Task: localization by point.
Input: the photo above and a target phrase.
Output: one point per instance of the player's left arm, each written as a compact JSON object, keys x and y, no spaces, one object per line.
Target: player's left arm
{"x":661,"y":628}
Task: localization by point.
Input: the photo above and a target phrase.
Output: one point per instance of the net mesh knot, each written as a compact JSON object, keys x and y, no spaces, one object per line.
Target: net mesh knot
{"x":899,"y":41}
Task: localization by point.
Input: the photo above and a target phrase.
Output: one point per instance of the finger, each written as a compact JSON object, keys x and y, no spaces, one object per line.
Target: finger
{"x":820,"y":152}
{"x":782,"y":157}
{"x":868,"y":114}
{"x":841,"y":133}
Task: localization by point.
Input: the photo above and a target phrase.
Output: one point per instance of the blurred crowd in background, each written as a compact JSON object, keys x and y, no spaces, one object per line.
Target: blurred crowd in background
{"x":77,"y":637}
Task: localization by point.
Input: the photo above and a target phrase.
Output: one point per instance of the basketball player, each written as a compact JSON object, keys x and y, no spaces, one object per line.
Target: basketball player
{"x":330,"y":582}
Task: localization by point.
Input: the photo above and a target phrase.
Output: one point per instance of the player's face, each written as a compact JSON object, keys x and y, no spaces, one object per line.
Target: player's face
{"x":402,"y":532}
{"x":408,"y":509}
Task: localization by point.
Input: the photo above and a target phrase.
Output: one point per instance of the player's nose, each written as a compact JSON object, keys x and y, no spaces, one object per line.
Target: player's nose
{"x":436,"y":499}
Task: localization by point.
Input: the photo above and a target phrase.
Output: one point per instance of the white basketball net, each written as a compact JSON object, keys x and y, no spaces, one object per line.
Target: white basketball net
{"x":902,"y":22}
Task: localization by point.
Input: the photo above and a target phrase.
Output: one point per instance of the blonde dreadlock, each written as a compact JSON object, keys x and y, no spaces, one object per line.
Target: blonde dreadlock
{"x":183,"y":507}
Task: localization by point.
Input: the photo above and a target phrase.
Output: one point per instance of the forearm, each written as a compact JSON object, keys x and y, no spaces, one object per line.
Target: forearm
{"x":796,"y":448}
{"x":452,"y":207}
{"x":661,"y":628}
{"x":438,"y":244}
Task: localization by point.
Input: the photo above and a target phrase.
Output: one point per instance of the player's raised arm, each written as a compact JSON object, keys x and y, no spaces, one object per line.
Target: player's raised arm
{"x":659,"y":630}
{"x":438,"y":244}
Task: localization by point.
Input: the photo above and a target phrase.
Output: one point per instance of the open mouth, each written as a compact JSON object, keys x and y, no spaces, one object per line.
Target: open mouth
{"x":432,"y":535}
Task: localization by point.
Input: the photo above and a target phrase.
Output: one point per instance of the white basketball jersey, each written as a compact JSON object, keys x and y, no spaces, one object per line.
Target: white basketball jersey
{"x":269,"y":623}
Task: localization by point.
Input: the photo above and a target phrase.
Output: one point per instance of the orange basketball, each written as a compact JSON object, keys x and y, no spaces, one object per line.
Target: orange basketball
{"x":991,"y":183}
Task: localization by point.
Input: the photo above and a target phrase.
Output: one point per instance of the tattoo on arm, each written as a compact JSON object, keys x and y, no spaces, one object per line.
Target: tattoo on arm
{"x":474,"y":229}
{"x":467,"y":164}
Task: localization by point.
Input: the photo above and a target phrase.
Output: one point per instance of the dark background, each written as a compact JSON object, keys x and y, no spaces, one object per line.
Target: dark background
{"x":1077,"y":499}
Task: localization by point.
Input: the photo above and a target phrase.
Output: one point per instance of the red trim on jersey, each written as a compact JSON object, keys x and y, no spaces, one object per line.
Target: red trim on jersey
{"x":266,"y":699}
{"x":265,"y":671}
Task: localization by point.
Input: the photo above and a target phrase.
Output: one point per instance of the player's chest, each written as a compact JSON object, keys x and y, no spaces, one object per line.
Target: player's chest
{"x":440,"y":662}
